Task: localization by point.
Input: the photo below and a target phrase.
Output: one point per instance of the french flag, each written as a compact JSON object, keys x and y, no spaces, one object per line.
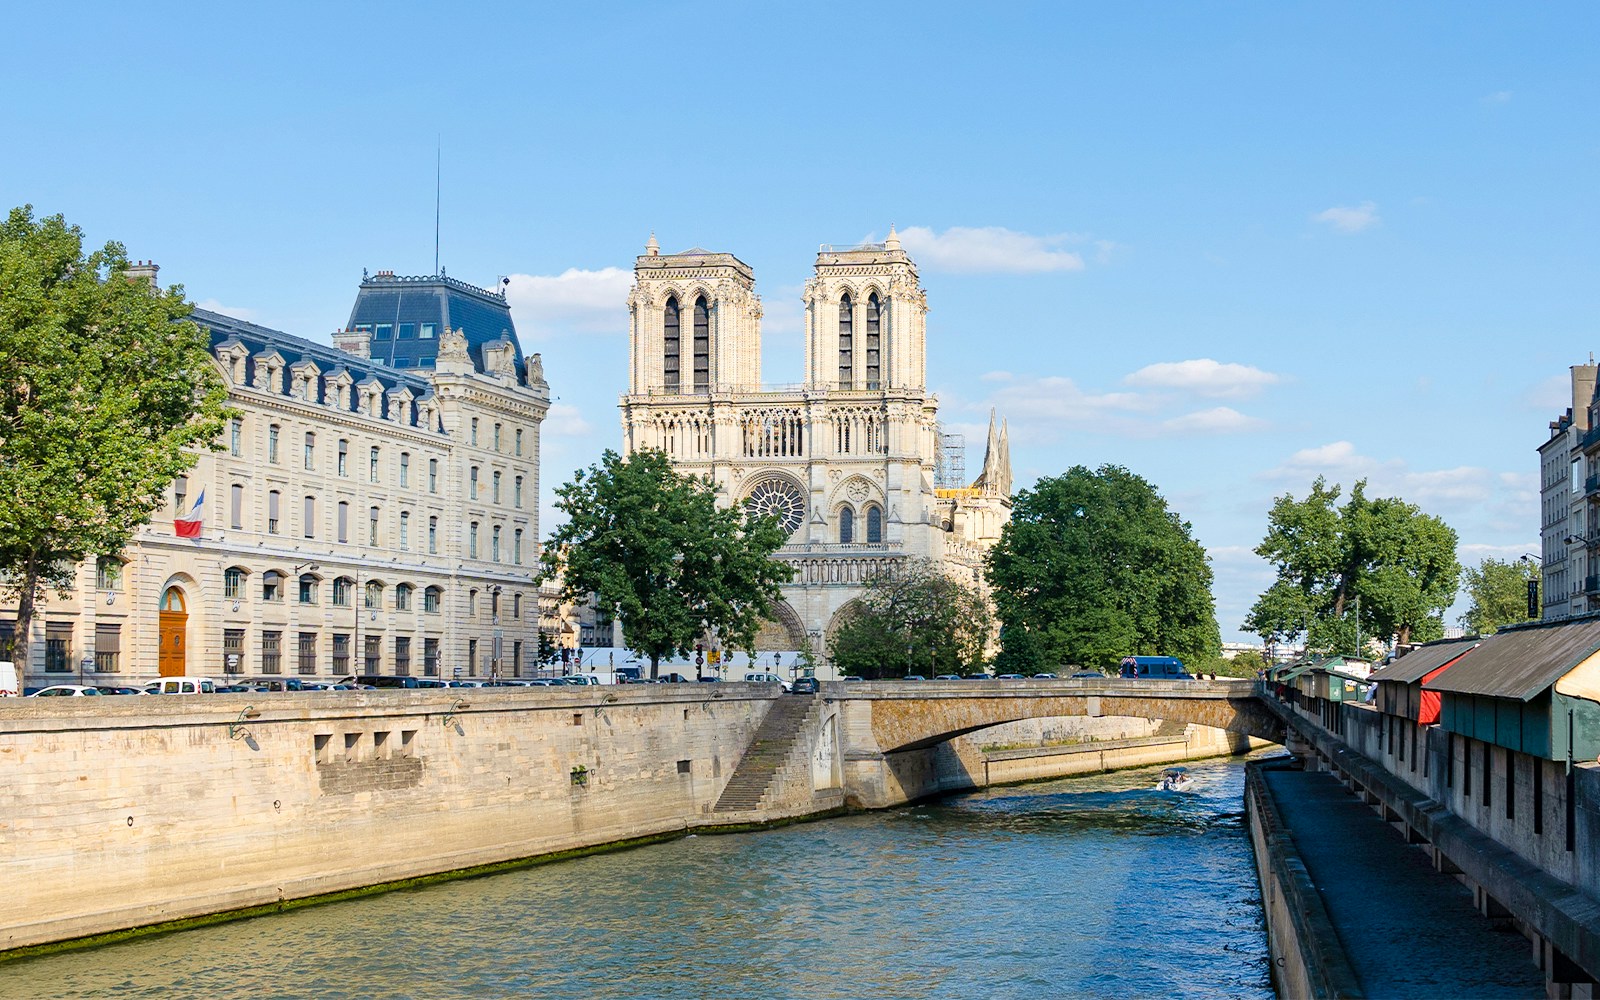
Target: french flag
{"x":188,"y":525}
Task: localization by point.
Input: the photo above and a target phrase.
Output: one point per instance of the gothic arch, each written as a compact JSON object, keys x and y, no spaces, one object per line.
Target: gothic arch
{"x":848,"y":488}
{"x":782,"y":631}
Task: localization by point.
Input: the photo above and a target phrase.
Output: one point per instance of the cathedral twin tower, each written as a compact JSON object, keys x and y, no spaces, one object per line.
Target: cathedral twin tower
{"x":845,"y":460}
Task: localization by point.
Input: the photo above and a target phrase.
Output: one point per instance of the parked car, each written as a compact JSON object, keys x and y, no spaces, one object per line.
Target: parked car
{"x":385,"y":681}
{"x":914,"y":677}
{"x":115,"y":689}
{"x":182,"y":685}
{"x":1088,"y":675}
{"x":1044,"y":677}
{"x":851,"y":677}
{"x":765,"y":678}
{"x":1155,"y":668}
{"x":804,"y":685}
{"x":431,"y":682}
{"x":8,"y":679}
{"x":946,"y":677}
{"x":981,"y":677}
{"x":66,"y":691}
{"x":675,"y":679}
{"x":1010,"y":677}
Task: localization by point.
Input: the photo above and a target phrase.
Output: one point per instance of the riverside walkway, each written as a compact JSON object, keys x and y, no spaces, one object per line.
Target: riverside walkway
{"x":1406,"y":930}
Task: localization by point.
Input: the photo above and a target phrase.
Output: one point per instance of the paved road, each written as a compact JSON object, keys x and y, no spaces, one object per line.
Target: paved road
{"x":1408,"y":931}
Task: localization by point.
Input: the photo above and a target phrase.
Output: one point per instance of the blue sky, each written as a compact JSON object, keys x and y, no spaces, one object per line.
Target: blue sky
{"x":1229,"y":246}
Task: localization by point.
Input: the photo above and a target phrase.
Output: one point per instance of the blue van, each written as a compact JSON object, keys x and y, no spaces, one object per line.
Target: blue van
{"x":1154,"y":668}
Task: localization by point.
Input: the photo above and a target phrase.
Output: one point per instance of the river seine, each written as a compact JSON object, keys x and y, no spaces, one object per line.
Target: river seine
{"x":1086,"y":887}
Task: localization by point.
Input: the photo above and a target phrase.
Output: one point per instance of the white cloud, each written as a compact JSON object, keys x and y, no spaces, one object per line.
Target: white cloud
{"x":989,"y":250}
{"x":565,"y":420}
{"x":1470,"y":554}
{"x":1552,"y":395}
{"x":1217,"y":420}
{"x":1349,"y":220}
{"x":1204,"y":377}
{"x":1057,"y":398}
{"x":1495,"y":99}
{"x":783,"y":313}
{"x":237,"y":312}
{"x":1463,"y":489}
{"x":575,"y":299}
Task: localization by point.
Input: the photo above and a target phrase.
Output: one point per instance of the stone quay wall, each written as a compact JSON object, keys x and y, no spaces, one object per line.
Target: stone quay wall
{"x":125,"y":812}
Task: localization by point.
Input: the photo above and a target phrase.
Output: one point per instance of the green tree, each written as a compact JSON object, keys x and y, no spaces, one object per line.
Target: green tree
{"x":105,"y":390}
{"x":1094,"y":567}
{"x":1373,"y":568}
{"x":916,"y":619}
{"x":652,"y":544}
{"x":1499,"y":593}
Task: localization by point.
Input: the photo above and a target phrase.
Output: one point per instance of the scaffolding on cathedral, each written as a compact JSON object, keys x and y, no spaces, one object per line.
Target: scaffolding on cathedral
{"x":950,"y":469}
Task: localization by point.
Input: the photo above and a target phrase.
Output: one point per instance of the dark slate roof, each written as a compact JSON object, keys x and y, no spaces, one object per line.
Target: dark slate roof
{"x":1522,"y":662}
{"x":1424,"y":660}
{"x":226,"y":331}
{"x":404,"y":304}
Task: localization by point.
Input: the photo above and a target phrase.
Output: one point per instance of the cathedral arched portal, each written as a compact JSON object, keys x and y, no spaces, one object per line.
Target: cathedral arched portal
{"x":782,"y":632}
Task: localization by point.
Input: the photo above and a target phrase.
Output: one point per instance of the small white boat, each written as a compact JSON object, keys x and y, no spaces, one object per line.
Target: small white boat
{"x":1175,"y":779}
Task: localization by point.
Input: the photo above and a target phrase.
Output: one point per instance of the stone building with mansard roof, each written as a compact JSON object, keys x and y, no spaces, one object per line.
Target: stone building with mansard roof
{"x":373,"y":510}
{"x":846,"y":458}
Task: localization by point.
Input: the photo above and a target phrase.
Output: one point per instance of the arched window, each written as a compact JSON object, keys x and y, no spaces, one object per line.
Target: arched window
{"x":516,"y":605}
{"x":496,"y":486}
{"x":669,"y":326}
{"x":108,"y":573}
{"x":272,"y":585}
{"x":847,"y":364}
{"x":494,"y":543}
{"x":702,"y":345}
{"x":374,"y":594}
{"x":874,"y":523}
{"x":172,"y":600}
{"x":308,"y":588}
{"x":431,"y":599}
{"x":873,"y":341}
{"x":342,"y":588}
{"x":472,"y":603}
{"x":233,"y":582}
{"x":402,"y":597}
{"x":847,"y":524}
{"x":516,"y":546}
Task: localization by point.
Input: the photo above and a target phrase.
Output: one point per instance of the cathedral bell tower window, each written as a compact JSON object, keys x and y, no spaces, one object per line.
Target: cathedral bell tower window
{"x":702,"y":345}
{"x":669,"y":326}
{"x":872,"y":340}
{"x":847,"y":371}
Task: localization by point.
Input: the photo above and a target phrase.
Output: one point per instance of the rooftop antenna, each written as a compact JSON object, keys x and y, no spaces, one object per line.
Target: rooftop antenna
{"x":438,"y":159}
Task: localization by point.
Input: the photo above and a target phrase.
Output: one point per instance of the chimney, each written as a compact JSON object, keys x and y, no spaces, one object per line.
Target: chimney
{"x":144,"y":270}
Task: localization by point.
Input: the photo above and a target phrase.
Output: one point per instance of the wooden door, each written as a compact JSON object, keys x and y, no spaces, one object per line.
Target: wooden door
{"x":172,"y":659}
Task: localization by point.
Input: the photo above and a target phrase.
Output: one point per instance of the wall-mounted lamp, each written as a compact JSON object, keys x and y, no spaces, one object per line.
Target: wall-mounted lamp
{"x":310,"y":566}
{"x":236,"y":728}
{"x":236,"y":605}
{"x":450,"y":716}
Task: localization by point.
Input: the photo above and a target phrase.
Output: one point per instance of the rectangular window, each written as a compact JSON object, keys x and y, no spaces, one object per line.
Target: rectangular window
{"x":372,"y":466}
{"x":272,"y":444}
{"x":430,"y":657}
{"x":233,"y":651}
{"x":372,"y":526}
{"x":236,"y":437}
{"x":272,"y":652}
{"x":472,"y":479}
{"x":306,"y":653}
{"x":308,"y":517}
{"x":273,"y":499}
{"x":472,"y":657}
{"x":341,"y":654}
{"x":311,"y":452}
{"x":497,"y":487}
{"x":344,"y":457}
{"x":516,"y":547}
{"x":382,"y":331}
{"x":474,"y":430}
{"x":519,"y":441}
{"x":233,"y":583}
{"x":472,"y":540}
{"x":180,"y":494}
{"x":408,"y":331}
{"x":402,"y":655}
{"x":433,"y":475}
{"x":516,"y":495}
{"x":425,"y":331}
{"x":496,"y":437}
{"x":108,"y":573}
{"x":344,"y":521}
{"x":433,"y":536}
{"x":373,"y":652}
{"x":107,"y":647}
{"x":58,"y":647}
{"x":405,"y":529}
{"x":516,"y":658}
{"x":405,"y":469}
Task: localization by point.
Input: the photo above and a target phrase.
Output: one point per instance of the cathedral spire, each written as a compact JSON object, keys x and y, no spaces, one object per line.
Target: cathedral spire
{"x":996,"y":476}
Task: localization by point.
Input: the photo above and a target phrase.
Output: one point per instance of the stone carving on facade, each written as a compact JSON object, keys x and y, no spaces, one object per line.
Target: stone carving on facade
{"x":453,"y":346}
{"x":536,"y":370}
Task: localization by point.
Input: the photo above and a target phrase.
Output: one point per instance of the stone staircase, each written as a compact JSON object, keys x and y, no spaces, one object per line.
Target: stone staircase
{"x":769,"y":750}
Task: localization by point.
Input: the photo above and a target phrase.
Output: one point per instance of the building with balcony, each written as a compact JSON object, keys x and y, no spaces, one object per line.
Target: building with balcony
{"x":845,"y":459}
{"x":1569,"y":492}
{"x":359,"y":518}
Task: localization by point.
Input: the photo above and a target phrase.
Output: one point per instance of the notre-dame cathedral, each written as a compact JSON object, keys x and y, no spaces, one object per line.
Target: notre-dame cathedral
{"x":846,"y":459}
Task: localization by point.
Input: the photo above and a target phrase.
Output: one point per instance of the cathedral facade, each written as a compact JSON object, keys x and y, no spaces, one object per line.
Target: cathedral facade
{"x":845,"y":459}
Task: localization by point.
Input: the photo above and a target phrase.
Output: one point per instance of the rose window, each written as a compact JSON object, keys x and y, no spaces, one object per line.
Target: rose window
{"x":778,"y":498}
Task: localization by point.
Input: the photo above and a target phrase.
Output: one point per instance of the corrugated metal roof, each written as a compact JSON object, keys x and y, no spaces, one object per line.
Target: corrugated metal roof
{"x":1424,"y":660}
{"x":1521,"y":663}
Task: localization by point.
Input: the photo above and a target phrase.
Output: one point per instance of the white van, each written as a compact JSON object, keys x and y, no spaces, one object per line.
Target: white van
{"x":760,"y":678}
{"x":8,"y":680}
{"x":183,"y":685}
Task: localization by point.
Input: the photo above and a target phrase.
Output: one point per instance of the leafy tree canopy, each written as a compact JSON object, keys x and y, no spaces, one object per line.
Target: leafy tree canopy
{"x":918,"y":620}
{"x":1094,"y":567}
{"x":105,"y":390}
{"x":1381,"y":555}
{"x":654,"y":545}
{"x":1499,"y":594}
